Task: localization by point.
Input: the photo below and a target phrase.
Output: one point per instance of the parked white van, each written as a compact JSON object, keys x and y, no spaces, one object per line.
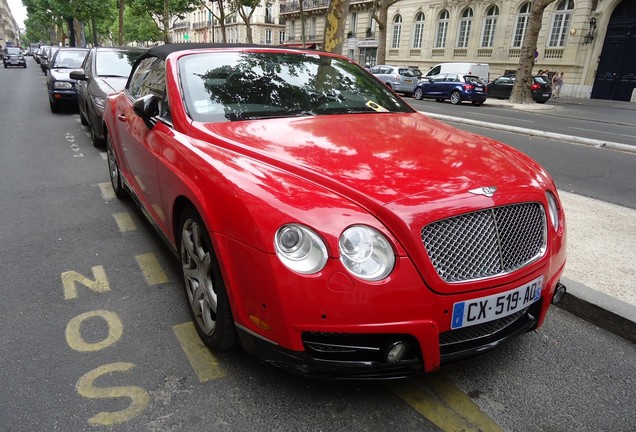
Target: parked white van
{"x":482,"y":70}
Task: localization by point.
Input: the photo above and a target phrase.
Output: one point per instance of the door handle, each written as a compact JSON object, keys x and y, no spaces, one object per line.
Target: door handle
{"x":121,"y":117}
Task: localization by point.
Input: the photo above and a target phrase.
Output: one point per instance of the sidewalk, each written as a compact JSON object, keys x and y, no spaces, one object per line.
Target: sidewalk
{"x":601,"y":272}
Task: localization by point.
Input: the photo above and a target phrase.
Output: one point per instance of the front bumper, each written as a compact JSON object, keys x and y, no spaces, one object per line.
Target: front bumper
{"x":363,"y":356}
{"x":59,"y":96}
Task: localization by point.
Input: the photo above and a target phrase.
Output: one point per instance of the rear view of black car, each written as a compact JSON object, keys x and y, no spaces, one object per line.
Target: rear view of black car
{"x":501,"y":88}
{"x":12,"y":56}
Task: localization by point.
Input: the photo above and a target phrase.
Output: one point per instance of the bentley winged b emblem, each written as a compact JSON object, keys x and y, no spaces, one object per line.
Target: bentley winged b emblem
{"x":486,"y":191}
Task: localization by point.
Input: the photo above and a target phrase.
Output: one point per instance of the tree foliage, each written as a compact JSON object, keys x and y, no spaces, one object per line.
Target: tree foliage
{"x":220,"y":16}
{"x":163,"y":11}
{"x":521,"y":90}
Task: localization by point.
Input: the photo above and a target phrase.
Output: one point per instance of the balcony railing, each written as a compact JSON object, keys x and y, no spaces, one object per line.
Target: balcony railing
{"x":201,"y":24}
{"x":182,"y":24}
{"x":294,"y":6}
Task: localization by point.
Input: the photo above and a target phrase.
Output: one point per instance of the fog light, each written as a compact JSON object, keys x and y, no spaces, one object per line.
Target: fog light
{"x":396,"y":352}
{"x":559,"y":292}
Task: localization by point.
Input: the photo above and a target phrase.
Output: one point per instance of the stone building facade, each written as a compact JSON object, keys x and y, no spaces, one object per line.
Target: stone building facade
{"x":200,"y":26}
{"x":9,"y":31}
{"x":574,"y":37}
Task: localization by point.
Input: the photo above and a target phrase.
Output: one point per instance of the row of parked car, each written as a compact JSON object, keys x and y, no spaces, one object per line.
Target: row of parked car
{"x":81,"y":78}
{"x":455,"y":87}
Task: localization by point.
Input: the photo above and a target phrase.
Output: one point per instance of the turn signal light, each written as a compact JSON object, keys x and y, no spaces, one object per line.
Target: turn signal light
{"x":259,"y":322}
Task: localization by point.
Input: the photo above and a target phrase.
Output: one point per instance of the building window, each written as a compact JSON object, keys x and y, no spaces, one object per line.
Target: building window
{"x":464,"y":28}
{"x":418,"y":30}
{"x":353,"y":23}
{"x":282,"y":37}
{"x":268,"y":37}
{"x":561,"y":23}
{"x":292,"y":29}
{"x":312,"y":28}
{"x":490,"y":24}
{"x":442,"y":29}
{"x":521,"y":25}
{"x":371,"y":28}
{"x":397,"y":31}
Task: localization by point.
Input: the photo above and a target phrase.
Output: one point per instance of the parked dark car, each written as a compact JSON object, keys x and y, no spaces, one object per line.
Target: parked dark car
{"x":59,"y":84}
{"x":12,"y":56}
{"x":400,"y":79}
{"x":458,"y":88}
{"x":104,"y":71}
{"x":501,"y":88}
{"x":47,"y":54}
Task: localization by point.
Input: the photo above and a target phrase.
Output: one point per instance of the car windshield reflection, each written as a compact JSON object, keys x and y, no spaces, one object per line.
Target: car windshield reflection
{"x":246,"y":86}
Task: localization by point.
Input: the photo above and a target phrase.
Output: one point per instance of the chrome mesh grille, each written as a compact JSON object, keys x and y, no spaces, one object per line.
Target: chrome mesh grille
{"x":486,"y":243}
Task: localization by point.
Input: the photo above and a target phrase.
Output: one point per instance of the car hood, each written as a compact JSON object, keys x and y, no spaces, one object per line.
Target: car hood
{"x":378,"y":159}
{"x":61,"y":74}
{"x":111,"y":84}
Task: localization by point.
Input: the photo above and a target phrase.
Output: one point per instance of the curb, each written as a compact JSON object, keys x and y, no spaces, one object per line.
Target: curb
{"x":542,"y":134}
{"x":600,"y":309}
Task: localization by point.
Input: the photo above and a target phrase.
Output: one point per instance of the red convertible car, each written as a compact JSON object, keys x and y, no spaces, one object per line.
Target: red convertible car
{"x":323,"y":223}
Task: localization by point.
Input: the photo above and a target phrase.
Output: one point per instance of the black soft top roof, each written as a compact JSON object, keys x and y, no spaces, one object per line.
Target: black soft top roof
{"x":163,"y":51}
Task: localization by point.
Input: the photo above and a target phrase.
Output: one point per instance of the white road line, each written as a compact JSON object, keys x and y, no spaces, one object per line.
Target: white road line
{"x":603,"y":132}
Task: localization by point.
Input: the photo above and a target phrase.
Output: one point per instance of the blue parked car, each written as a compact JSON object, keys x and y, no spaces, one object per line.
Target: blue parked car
{"x":457,"y":88}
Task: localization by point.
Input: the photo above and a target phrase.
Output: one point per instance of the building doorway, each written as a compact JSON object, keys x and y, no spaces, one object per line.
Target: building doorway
{"x":616,"y":73}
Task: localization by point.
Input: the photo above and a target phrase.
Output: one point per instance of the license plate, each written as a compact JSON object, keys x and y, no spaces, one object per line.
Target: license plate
{"x":480,"y":88}
{"x":546,"y":94}
{"x":489,"y":308}
{"x":408,"y":81}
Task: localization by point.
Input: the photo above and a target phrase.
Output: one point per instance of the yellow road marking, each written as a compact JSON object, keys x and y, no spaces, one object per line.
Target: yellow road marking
{"x":107,"y":190}
{"x":124,"y":222}
{"x":441,"y":402}
{"x":74,"y":337}
{"x":70,"y":279}
{"x":205,"y":365}
{"x":149,"y":265}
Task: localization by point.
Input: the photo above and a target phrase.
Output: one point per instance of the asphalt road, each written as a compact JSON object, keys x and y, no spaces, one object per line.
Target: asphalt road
{"x":94,"y":327}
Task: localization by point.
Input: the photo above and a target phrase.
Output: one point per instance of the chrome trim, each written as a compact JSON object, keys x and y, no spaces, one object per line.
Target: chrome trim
{"x":251,"y":333}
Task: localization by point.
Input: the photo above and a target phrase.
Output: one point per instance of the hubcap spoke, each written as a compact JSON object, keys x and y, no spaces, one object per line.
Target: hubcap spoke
{"x":197,"y":271}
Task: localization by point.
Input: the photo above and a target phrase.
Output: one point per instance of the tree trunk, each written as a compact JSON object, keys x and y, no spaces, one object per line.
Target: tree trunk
{"x":521,"y":93}
{"x":381,"y":16}
{"x":120,"y":39}
{"x":166,"y":21}
{"x":335,"y":25}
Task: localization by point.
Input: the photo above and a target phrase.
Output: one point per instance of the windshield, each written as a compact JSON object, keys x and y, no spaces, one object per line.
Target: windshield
{"x":69,"y":59}
{"x":237,"y":86}
{"x":13,"y":51}
{"x":115,"y":63}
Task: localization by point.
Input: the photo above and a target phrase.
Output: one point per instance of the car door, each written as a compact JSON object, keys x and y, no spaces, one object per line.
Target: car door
{"x":449,"y":84}
{"x":141,"y":144}
{"x":82,"y":85}
{"x":502,"y":87}
{"x":433,"y":87}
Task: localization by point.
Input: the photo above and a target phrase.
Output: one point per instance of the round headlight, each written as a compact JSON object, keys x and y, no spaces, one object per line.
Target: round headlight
{"x":553,"y":209}
{"x":300,"y":249}
{"x":366,"y":253}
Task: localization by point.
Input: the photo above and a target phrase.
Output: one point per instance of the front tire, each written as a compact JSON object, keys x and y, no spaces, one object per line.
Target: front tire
{"x":418,"y":94}
{"x":204,"y":286}
{"x":113,"y":170}
{"x":455,"y":98}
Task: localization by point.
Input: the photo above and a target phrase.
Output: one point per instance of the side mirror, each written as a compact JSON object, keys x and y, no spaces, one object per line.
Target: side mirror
{"x":147,"y":107}
{"x":78,"y":75}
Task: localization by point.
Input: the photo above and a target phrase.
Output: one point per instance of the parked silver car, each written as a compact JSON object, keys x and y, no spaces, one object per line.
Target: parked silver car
{"x":401,"y":79}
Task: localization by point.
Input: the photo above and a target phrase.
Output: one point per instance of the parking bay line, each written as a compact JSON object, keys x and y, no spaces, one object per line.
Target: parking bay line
{"x":150,"y":267}
{"x":124,"y":222}
{"x":445,"y":405}
{"x":205,"y":365}
{"x":107,"y":190}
